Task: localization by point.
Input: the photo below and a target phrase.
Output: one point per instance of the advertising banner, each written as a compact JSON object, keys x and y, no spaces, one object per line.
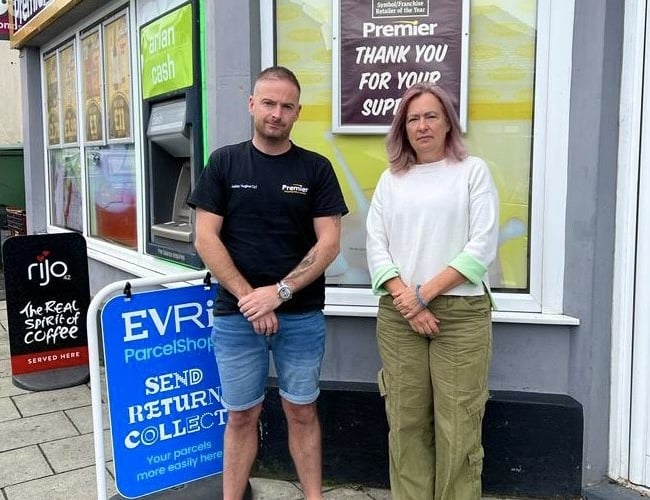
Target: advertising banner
{"x":118,"y":78}
{"x":166,"y":53}
{"x":46,"y":277}
{"x":52,"y":100}
{"x":25,"y":10}
{"x":382,"y":47}
{"x":4,"y":21}
{"x":164,"y":394}
{"x":29,"y":17}
{"x":92,"y":87}
{"x":68,"y":71}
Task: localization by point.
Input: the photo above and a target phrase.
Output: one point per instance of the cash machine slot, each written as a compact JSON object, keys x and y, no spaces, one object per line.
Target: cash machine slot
{"x":170,"y":152}
{"x":180,"y":226}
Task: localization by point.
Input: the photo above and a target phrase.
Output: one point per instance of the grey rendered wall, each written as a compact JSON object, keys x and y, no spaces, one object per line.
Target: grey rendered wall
{"x":30,"y":76}
{"x":11,"y":133}
{"x":590,"y":222}
{"x":232,"y":60}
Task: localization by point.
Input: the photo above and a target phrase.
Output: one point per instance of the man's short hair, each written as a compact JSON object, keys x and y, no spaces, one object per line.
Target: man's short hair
{"x":278,"y":73}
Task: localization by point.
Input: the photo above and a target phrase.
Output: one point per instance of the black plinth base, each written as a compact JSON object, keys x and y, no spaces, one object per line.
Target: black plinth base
{"x":532,"y":442}
{"x":49,"y":380}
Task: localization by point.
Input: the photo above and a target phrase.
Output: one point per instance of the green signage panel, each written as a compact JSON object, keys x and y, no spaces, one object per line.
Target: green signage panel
{"x":166,"y":53}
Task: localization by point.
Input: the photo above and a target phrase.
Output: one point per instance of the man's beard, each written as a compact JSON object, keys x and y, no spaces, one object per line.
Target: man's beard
{"x":276,"y":136}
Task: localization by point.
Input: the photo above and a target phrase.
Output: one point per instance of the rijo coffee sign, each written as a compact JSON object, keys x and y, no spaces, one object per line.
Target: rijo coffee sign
{"x":47,"y":299}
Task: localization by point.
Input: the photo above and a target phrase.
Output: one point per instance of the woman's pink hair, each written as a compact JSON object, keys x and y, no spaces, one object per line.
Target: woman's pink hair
{"x":401,"y":155}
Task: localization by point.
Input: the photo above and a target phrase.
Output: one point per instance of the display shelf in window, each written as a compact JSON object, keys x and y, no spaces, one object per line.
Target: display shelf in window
{"x":16,"y":221}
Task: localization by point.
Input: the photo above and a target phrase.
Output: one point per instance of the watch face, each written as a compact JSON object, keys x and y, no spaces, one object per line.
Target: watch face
{"x":284,"y":292}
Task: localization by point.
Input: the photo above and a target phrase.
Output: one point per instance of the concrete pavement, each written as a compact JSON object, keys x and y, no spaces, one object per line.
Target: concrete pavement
{"x":47,"y":451}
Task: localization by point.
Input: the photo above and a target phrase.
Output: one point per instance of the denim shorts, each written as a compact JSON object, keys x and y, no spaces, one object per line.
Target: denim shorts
{"x":243,"y":358}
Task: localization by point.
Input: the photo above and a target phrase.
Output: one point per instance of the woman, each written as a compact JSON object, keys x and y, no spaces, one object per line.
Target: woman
{"x":432,"y":232}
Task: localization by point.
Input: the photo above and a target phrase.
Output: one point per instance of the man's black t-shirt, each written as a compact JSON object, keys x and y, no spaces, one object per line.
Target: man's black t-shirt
{"x":268,"y":204}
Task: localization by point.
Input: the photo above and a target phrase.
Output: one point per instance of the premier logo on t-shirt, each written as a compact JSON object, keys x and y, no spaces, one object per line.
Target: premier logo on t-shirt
{"x":295,"y":189}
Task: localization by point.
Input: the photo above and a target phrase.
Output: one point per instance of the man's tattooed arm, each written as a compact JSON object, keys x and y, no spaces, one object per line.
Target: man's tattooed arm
{"x":321,"y":255}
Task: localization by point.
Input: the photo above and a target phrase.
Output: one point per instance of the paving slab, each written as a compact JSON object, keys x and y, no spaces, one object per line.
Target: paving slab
{"x":33,"y":430}
{"x":37,"y":403}
{"x":7,"y":388}
{"x":346,"y":493}
{"x":78,"y":484}
{"x":4,"y":349}
{"x":377,"y":494}
{"x":82,"y":418}
{"x":23,"y":464}
{"x":5,"y":367}
{"x":8,"y":410}
{"x":270,"y":489}
{"x":74,"y":452}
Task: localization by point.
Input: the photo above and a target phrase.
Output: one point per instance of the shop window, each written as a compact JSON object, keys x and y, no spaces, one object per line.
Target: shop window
{"x":64,"y":162}
{"x":112,"y":194}
{"x":507,"y":82}
{"x":91,"y":160}
{"x":65,"y":188}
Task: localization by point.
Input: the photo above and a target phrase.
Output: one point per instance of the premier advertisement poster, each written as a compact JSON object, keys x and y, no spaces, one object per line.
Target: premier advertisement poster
{"x":382,"y":47}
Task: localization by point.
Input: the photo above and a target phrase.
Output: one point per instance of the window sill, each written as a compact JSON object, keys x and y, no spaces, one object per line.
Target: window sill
{"x":497,"y":316}
{"x":349,"y":302}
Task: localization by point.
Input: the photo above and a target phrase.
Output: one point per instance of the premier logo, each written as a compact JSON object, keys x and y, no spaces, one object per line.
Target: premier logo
{"x":399,"y":29}
{"x":295,"y":189}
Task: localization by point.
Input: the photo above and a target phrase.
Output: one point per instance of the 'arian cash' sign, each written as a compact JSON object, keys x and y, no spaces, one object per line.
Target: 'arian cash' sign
{"x":164,"y":394}
{"x":166,"y":53}
{"x":382,"y":47}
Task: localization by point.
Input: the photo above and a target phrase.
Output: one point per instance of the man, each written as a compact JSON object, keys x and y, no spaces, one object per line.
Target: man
{"x":268,"y":223}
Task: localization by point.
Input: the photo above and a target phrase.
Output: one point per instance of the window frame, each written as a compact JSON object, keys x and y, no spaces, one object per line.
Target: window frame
{"x":544,"y":301}
{"x":133,"y":261}
{"x":74,"y":35}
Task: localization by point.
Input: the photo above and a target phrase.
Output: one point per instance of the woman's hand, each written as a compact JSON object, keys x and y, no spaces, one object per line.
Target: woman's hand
{"x":407,"y":303}
{"x":425,"y":323}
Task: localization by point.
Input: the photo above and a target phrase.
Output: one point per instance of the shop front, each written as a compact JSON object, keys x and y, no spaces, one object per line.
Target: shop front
{"x":123,"y":100}
{"x":630,"y":406}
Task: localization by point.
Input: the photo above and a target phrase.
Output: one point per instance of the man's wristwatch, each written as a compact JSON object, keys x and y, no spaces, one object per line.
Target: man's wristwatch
{"x":284,"y":292}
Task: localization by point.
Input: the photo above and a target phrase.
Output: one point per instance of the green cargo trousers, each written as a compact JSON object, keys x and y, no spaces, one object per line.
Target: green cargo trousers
{"x":435,"y":392}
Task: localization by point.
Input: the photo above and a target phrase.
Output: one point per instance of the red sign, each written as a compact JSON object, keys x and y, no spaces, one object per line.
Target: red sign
{"x":25,"y":10}
{"x":4,"y":21}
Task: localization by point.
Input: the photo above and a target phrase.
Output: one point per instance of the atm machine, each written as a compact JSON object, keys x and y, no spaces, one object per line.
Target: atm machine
{"x":172,"y":131}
